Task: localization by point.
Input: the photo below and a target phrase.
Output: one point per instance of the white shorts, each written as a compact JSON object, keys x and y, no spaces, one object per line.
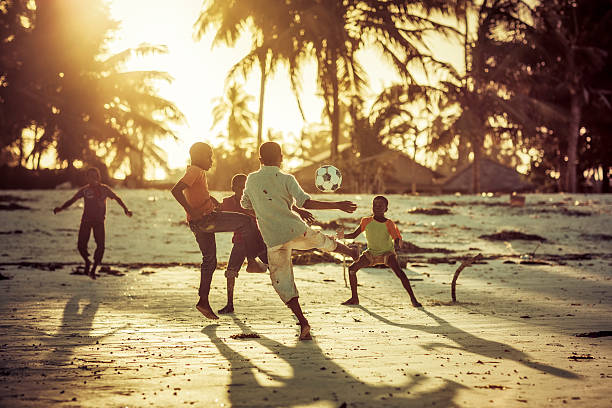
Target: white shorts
{"x":281,"y":267}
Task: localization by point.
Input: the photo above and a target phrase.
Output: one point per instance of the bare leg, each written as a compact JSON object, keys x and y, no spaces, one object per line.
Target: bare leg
{"x":343,"y":249}
{"x":394,"y":265}
{"x":229,"y":307}
{"x":207,"y":244}
{"x":100,"y":238}
{"x":294,"y":305}
{"x":362,"y":262}
{"x":84,"y":233}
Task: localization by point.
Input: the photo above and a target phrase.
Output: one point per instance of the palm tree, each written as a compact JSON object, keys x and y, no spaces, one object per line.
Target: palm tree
{"x":233,"y":110}
{"x":331,"y":32}
{"x":233,"y":19}
{"x":390,"y":120}
{"x":133,"y":110}
{"x":483,"y":102}
{"x":572,"y":41}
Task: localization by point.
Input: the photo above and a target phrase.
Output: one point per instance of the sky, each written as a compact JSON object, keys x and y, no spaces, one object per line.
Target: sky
{"x":199,"y":72}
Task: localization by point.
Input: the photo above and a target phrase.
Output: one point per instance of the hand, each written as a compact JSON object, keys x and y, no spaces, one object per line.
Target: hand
{"x":347,"y":206}
{"x":127,"y":212}
{"x":306,"y":216}
{"x":340,"y":233}
{"x":56,"y":210}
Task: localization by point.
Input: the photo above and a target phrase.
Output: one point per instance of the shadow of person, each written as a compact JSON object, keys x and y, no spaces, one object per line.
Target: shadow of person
{"x":313,"y":376}
{"x":468,"y":342}
{"x":74,"y":330}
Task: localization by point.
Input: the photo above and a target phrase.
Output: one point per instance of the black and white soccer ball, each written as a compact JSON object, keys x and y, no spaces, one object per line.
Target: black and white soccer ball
{"x":328,"y":178}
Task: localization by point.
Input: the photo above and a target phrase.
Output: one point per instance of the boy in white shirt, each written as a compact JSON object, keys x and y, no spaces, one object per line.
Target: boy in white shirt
{"x":271,"y":194}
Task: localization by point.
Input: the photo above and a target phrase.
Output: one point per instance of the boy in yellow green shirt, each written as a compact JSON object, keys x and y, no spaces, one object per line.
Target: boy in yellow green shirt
{"x":382,"y":237}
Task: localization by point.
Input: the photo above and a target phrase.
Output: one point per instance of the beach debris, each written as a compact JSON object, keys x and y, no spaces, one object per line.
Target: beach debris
{"x":332,"y":225}
{"x":408,"y":247}
{"x":241,"y":336}
{"x":597,"y":237}
{"x":512,"y":235}
{"x":577,"y":357}
{"x":467,"y":262}
{"x":492,"y":387}
{"x":602,"y":333}
{"x":11,"y":232}
{"x":517,"y":200}
{"x":430,"y":211}
{"x":109,"y":271}
{"x":13,"y":207}
{"x":79,"y":270}
{"x":312,"y":257}
{"x":146,"y":272}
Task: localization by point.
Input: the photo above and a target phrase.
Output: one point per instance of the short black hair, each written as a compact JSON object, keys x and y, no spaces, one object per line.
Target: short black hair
{"x":379,"y":197}
{"x":199,"y":149}
{"x":238,"y":177}
{"x":269,"y":152}
{"x":93,"y":170}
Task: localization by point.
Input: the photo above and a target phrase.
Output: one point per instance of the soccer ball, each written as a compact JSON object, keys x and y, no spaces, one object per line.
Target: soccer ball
{"x":328,"y":178}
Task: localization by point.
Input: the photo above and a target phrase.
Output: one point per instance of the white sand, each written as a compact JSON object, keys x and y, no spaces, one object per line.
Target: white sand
{"x":136,"y":340}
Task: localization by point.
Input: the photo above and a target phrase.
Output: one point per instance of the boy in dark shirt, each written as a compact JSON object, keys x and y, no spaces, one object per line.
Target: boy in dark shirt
{"x":94,"y":195}
{"x":383,"y":238}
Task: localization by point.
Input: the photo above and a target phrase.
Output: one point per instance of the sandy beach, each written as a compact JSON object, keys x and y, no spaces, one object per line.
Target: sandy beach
{"x":133,"y":337}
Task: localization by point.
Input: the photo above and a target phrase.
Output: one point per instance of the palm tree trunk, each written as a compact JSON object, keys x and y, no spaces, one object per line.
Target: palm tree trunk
{"x":262,"y":89}
{"x":572,"y":142}
{"x":476,"y":166}
{"x":335,"y":119}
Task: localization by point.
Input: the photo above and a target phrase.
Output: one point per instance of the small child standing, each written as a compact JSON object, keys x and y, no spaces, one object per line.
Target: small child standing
{"x":94,"y":213}
{"x":238,"y":254}
{"x":383,"y":238}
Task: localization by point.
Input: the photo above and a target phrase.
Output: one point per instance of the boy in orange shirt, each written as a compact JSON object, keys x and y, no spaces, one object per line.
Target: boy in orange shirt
{"x":192,"y":193}
{"x":383,"y":238}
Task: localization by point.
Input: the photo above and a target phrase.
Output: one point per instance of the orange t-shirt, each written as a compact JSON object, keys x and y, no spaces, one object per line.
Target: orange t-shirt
{"x":196,"y":193}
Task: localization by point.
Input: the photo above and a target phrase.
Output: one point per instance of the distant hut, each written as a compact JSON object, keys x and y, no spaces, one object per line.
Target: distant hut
{"x":494,"y":177}
{"x":390,"y":171}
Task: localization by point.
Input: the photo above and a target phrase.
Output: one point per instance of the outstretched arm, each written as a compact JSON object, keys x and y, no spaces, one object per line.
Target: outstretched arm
{"x":346,"y":206}
{"x":119,"y":201}
{"x":68,"y":203}
{"x":340,"y":233}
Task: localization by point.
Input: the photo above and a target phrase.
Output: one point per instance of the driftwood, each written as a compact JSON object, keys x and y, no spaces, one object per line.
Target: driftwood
{"x":463,"y":265}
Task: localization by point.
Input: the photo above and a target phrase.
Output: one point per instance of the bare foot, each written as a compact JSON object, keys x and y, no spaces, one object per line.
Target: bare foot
{"x":226,"y":309}
{"x":92,"y":272}
{"x":87,"y":266}
{"x":351,"y":301}
{"x":416,"y":304}
{"x":256,"y":266}
{"x":206,"y":311}
{"x":305,"y":332}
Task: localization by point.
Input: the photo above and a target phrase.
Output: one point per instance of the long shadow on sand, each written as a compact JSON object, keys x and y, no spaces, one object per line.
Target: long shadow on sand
{"x":315,"y":377}
{"x":473,"y":344}
{"x":74,"y":331}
